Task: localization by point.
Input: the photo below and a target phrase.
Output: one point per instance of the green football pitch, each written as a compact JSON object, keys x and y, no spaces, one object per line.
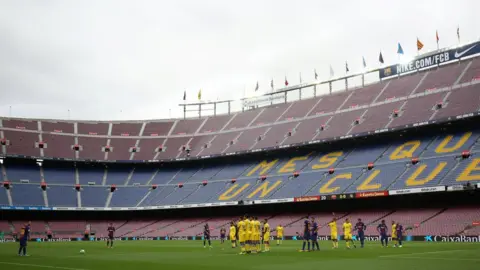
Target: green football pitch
{"x":146,"y":255}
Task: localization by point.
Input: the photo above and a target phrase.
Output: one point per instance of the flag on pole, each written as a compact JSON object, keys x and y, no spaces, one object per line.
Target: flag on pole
{"x":419,"y":44}
{"x":256,"y":87}
{"x":437,"y":38}
{"x":331,"y":71}
{"x":316,"y":75}
{"x":380,"y":58}
{"x":300,"y":77}
{"x":199,"y":94}
{"x":399,"y":49}
{"x":458,"y":33}
{"x":271,"y":83}
{"x":364,"y":62}
{"x":184,"y":94}
{"x":286,"y":81}
{"x":346,"y":67}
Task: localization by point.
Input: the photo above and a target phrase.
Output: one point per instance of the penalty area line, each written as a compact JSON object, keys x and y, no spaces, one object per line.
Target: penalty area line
{"x":41,"y":266}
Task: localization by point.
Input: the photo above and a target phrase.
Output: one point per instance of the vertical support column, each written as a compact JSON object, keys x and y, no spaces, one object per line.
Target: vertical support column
{"x":215,"y":109}
{"x":184,"y":111}
{"x":104,"y":178}
{"x":3,"y":172}
{"x":330,"y":86}
{"x":346,"y":84}
{"x":42,"y":175}
{"x":45,"y":197}
{"x":77,"y":176}
{"x":363,"y":80}
{"x":229,"y":107}
{"x":79,"y":199}
{"x":199,"y":110}
{"x":315,"y":90}
{"x":285,"y":97}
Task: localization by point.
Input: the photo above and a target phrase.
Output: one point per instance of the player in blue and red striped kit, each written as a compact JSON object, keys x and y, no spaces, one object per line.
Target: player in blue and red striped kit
{"x":382,"y":230}
{"x":111,"y":232}
{"x":360,"y":227}
{"x":306,"y":234}
{"x":314,"y":234}
{"x":206,"y":236}
{"x":400,"y":232}
{"x":24,"y":237}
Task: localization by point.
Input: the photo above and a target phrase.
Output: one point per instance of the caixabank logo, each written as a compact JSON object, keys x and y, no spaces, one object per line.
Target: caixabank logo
{"x":452,"y":238}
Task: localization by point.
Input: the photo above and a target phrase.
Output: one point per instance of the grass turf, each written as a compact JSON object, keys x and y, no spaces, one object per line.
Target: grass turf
{"x":146,"y":255}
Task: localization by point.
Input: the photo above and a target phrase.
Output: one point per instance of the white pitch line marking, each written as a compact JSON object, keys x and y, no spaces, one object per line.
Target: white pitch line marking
{"x":41,"y":266}
{"x":420,"y":253}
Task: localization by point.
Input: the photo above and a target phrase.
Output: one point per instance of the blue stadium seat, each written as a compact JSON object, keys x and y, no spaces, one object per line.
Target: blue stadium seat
{"x":164,"y":176}
{"x":94,"y":196}
{"x":336,"y":183}
{"x":3,"y":196}
{"x":184,"y":176}
{"x":362,"y":156}
{"x":429,"y":172}
{"x":205,"y":193}
{"x":411,"y":148}
{"x":156,"y":196}
{"x":27,"y":195}
{"x":59,"y":175}
{"x":465,"y":140}
{"x":142,"y":176}
{"x":128,"y":196}
{"x":231,"y":171}
{"x":15,"y":173}
{"x":94,"y":175}
{"x":296,"y":187}
{"x":465,"y":171}
{"x":62,"y":196}
{"x":379,"y":178}
{"x":117,"y":176}
{"x":179,"y":194}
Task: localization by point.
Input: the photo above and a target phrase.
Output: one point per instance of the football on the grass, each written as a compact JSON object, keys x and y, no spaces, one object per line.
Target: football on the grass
{"x":82,"y":251}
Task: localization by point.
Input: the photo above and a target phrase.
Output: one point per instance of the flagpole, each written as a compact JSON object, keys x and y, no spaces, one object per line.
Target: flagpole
{"x":436,"y":37}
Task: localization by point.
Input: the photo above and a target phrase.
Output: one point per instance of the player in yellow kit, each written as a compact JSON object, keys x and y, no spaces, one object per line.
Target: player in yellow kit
{"x":266,"y":235}
{"x":333,"y":232}
{"x":233,"y":234}
{"x":242,"y":231}
{"x":394,"y":233}
{"x":258,"y":234}
{"x":279,"y":234}
{"x":248,"y":234}
{"x":347,"y":232}
{"x":255,"y":233}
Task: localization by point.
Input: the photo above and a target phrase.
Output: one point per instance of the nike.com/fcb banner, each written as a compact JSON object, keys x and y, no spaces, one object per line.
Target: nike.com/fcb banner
{"x":431,"y":60}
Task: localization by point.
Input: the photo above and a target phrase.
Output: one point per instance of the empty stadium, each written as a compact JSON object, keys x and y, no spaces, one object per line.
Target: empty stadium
{"x":402,"y":147}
